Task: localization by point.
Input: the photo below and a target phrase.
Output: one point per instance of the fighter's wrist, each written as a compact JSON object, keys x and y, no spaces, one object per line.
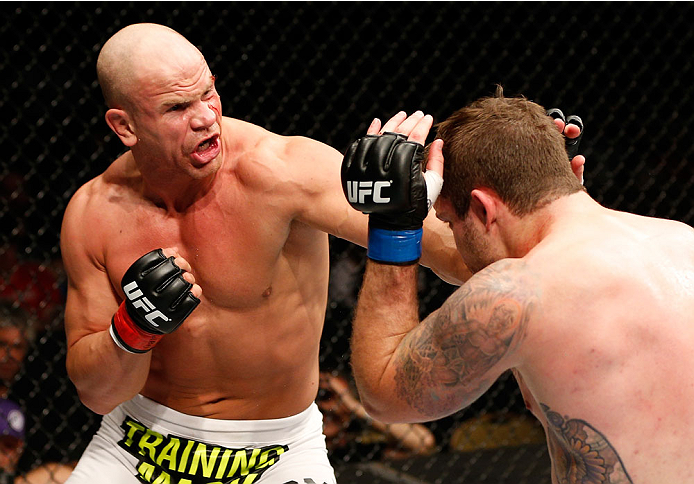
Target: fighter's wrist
{"x":399,"y":247}
{"x":128,"y":335}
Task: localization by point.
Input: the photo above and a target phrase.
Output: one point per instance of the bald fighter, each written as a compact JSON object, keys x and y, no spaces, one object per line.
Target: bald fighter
{"x":198,"y":276}
{"x":592,"y":308}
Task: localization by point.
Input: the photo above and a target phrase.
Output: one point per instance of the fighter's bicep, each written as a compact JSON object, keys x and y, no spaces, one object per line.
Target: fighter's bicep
{"x":91,"y":299}
{"x":322,"y":203}
{"x":457,"y":353}
{"x":440,"y":368}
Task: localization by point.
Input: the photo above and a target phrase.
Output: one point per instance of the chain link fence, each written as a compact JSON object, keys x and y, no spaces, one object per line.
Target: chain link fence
{"x":324,"y":70}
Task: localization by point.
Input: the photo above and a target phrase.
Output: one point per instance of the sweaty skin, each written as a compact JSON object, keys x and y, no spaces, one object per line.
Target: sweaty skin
{"x":246,"y":213}
{"x":591,"y":308}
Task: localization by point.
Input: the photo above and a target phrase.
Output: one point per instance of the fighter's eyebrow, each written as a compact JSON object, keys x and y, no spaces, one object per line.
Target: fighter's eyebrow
{"x":210,"y":84}
{"x":184,"y":100}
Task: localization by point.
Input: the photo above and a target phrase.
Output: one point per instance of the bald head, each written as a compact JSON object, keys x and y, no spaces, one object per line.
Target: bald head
{"x":136,"y":51}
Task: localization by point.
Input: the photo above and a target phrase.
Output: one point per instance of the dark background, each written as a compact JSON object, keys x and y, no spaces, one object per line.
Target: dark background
{"x":324,"y":70}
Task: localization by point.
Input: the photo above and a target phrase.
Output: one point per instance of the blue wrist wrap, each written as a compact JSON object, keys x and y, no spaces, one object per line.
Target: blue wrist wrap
{"x":395,"y":246}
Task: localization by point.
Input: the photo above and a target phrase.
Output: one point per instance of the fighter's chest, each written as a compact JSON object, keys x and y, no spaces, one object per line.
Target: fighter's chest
{"x":234,"y":256}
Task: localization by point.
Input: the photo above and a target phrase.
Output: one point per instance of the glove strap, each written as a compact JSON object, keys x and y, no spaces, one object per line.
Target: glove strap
{"x":395,"y":246}
{"x":128,"y":335}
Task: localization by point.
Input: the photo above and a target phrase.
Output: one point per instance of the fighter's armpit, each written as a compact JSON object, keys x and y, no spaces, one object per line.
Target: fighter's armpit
{"x":456,"y":353}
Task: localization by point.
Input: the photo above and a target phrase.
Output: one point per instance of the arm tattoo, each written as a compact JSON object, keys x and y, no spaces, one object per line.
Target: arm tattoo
{"x":444,"y":364}
{"x":581,"y":454}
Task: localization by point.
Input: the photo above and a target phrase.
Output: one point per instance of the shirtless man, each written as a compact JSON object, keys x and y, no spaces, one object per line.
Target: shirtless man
{"x":592,"y":309}
{"x":228,"y":395}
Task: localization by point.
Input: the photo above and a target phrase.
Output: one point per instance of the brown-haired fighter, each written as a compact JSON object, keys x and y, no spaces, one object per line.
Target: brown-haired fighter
{"x":203,"y":356}
{"x":592,"y":308}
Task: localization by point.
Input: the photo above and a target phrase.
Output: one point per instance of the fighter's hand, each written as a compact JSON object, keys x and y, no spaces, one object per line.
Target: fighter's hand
{"x":187,"y":274}
{"x":415,"y":126}
{"x":572,"y":129}
{"x":382,"y":176}
{"x":160,"y":293}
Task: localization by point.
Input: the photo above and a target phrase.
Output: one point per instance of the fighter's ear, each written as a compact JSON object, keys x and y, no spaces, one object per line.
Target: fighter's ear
{"x":119,"y":121}
{"x":483,"y":206}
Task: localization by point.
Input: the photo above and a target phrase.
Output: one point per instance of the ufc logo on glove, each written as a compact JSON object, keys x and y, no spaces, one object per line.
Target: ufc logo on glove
{"x":376,"y":163}
{"x":133,"y":292}
{"x":357,"y":191}
{"x":154,"y":288}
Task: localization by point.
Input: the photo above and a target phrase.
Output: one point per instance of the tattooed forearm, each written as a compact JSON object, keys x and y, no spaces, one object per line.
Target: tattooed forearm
{"x":580,"y":454}
{"x":445,"y":363}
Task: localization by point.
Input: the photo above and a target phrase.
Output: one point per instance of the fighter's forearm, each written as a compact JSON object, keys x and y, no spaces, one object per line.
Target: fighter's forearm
{"x":105,"y":375}
{"x":386,"y":312}
{"x":440,"y":254}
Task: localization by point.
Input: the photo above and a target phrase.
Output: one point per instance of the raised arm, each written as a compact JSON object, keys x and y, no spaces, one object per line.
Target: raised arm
{"x":316,"y":169}
{"x":407,"y":371}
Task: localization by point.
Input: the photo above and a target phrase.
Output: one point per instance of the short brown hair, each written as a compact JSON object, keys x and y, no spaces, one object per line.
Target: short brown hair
{"x":509,"y":145}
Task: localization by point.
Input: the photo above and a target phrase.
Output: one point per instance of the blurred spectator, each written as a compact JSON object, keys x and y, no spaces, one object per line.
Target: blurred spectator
{"x":33,"y":286}
{"x":45,"y":403}
{"x":12,"y":423}
{"x":350,"y":432}
{"x":11,"y":439}
{"x":15,"y":336}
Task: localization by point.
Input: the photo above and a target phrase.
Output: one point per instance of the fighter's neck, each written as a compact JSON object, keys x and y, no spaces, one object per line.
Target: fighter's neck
{"x":558,"y":216}
{"x":176,"y":194}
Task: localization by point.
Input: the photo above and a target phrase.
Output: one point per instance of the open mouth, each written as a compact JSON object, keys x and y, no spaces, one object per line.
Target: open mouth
{"x":207,"y":144}
{"x":207,"y":150}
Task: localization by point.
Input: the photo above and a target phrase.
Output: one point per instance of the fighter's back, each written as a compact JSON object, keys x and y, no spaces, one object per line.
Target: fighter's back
{"x":606,"y":363}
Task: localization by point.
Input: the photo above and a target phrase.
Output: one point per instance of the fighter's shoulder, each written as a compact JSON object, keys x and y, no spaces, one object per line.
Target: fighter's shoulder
{"x":94,"y":212}
{"x":301,"y":148}
{"x":509,"y":277}
{"x":673,"y":241}
{"x":95,"y":198}
{"x":93,"y":193}
{"x":83,"y":200}
{"x":675,"y":229}
{"x":504,"y":299}
{"x":78,"y":235}
{"x":652,"y":237}
{"x":289,"y":157}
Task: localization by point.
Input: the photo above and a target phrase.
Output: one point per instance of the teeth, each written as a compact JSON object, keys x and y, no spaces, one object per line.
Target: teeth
{"x":204,"y":145}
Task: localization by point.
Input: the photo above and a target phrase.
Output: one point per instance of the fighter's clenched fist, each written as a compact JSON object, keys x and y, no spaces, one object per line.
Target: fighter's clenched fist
{"x":158,"y":298}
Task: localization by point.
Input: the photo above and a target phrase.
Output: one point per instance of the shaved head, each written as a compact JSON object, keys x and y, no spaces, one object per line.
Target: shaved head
{"x":135,"y":52}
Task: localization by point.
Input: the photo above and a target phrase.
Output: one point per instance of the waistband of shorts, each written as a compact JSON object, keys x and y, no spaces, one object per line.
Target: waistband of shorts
{"x":167,"y":420}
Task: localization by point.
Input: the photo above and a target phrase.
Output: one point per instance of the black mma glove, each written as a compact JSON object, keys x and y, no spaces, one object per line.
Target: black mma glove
{"x":157,"y":301}
{"x":570,"y":143}
{"x":382,"y":176}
